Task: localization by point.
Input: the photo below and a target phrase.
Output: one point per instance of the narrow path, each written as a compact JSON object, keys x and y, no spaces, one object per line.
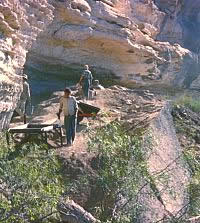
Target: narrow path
{"x":46,"y":113}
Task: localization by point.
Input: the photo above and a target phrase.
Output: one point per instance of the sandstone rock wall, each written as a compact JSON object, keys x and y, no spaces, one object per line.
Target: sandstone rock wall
{"x":136,"y":40}
{"x":20,"y":23}
{"x":115,"y":37}
{"x":181,"y":25}
{"x":142,"y":41}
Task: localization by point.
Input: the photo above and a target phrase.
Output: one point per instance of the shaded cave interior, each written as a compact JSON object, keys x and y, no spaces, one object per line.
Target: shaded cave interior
{"x":46,"y":79}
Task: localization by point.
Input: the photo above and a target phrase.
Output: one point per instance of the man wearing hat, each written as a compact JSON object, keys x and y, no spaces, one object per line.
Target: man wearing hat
{"x":25,"y":98}
{"x":69,"y":106}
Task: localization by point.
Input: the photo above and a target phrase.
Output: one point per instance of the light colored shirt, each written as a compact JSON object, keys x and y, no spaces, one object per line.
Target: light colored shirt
{"x":69,"y":105}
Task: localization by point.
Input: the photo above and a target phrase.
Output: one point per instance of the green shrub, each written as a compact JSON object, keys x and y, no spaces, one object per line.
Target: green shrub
{"x":192,"y":158}
{"x":120,"y":167}
{"x":30,"y":183}
{"x":189,"y":102}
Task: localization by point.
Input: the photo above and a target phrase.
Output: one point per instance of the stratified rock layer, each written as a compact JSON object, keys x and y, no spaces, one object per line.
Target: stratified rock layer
{"x":20,"y":24}
{"x":134,"y":40}
{"x":141,"y":41}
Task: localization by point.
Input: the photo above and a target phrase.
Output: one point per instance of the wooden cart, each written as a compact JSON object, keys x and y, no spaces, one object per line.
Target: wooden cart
{"x":32,"y":128}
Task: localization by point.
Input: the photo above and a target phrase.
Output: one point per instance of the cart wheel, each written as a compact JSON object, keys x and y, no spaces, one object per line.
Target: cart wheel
{"x":79,"y":119}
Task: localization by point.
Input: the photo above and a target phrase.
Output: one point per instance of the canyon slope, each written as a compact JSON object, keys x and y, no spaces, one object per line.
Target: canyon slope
{"x":140,"y":42}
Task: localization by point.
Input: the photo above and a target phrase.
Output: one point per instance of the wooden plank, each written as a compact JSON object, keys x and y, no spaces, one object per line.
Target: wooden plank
{"x":36,"y":125}
{"x":20,"y":127}
{"x":25,"y":130}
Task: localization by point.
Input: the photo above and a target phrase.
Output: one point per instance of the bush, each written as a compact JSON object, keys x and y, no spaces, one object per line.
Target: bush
{"x":120,"y":167}
{"x":192,"y":158}
{"x":189,"y":102}
{"x":30,"y":183}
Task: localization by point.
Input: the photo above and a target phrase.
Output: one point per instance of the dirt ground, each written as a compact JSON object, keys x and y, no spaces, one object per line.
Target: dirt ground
{"x":45,"y":113}
{"x":132,"y":106}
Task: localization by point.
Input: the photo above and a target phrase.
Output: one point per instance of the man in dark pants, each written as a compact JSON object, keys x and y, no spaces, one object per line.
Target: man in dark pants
{"x":86,"y":81}
{"x":69,"y":106}
{"x":25,"y":99}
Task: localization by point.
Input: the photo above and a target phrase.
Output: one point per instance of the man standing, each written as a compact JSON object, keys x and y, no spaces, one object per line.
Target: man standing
{"x":69,"y":106}
{"x":25,"y":99}
{"x":86,"y":81}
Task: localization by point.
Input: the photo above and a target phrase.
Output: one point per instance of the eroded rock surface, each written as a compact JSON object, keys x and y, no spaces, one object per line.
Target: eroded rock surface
{"x":142,"y":41}
{"x":20,"y":24}
{"x":115,"y":38}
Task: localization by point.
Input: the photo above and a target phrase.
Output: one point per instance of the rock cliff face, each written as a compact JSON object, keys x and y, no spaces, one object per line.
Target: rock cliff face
{"x":166,"y":158}
{"x":20,"y":24}
{"x":134,"y":40}
{"x":116,"y":38}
